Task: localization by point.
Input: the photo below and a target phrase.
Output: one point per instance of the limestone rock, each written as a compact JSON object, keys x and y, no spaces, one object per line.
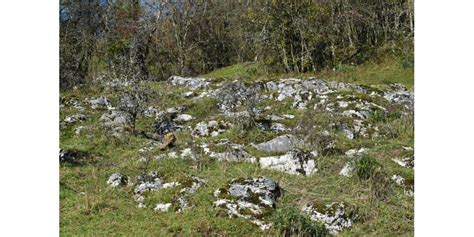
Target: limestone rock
{"x":148,"y":182}
{"x":74,"y":118}
{"x":249,"y":199}
{"x":233,"y":153}
{"x":100,"y":102}
{"x":162,"y":207}
{"x":293,"y":162}
{"x":183,"y":118}
{"x":335,"y":216}
{"x":347,"y":170}
{"x":191,"y":82}
{"x":117,"y":179}
{"x":116,"y":118}
{"x":282,"y":143}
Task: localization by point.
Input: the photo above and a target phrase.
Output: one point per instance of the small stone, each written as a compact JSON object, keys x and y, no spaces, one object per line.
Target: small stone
{"x":183,"y":118}
{"x":294,"y":162}
{"x":347,"y":170}
{"x":162,"y":207}
{"x":117,"y":179}
{"x":335,"y":216}
{"x":187,"y":153}
{"x":74,"y":118}
{"x":354,"y":152}
{"x":201,"y":130}
{"x":282,"y":143}
{"x":250,"y":197}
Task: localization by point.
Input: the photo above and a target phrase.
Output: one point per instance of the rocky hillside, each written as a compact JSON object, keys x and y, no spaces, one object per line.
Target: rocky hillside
{"x":215,"y":156}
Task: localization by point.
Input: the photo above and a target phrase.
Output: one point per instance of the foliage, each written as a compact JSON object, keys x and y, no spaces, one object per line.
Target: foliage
{"x":156,"y":39}
{"x":365,"y":167}
{"x":291,"y":222}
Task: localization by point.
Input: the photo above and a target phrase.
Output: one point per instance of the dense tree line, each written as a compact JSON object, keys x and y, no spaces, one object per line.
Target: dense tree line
{"x":153,"y":39}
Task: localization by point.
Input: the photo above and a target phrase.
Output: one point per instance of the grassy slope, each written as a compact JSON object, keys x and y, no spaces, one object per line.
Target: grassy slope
{"x":90,"y":207}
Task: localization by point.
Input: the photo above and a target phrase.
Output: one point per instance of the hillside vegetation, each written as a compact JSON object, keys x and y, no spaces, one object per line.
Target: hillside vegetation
{"x":194,"y":156}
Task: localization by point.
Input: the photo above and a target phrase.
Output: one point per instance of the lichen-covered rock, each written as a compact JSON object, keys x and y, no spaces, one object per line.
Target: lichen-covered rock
{"x":399,"y":94}
{"x":235,"y":94}
{"x":347,"y":170}
{"x":73,"y":156}
{"x":293,"y":162}
{"x":356,"y":152}
{"x":408,"y":185}
{"x":299,"y":91}
{"x":272,"y":126}
{"x":116,"y":118}
{"x":282,"y":143}
{"x":233,"y":153}
{"x":253,"y":199}
{"x":162,"y":207}
{"x":190,"y":82}
{"x":183,"y":118}
{"x":151,"y":112}
{"x":116,"y":122}
{"x":211,"y":128}
{"x":75,"y":104}
{"x":117,"y":179}
{"x":100,"y":102}
{"x":408,"y":162}
{"x":148,"y":182}
{"x":335,"y":216}
{"x":81,"y":129}
{"x":74,"y":118}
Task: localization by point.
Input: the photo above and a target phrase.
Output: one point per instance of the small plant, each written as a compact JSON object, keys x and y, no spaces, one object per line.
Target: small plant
{"x":291,"y":222}
{"x":365,"y":167}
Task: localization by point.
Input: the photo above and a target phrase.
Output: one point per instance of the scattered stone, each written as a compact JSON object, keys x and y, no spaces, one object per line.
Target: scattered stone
{"x":162,"y":207}
{"x":335,"y":216}
{"x":408,"y":186}
{"x":148,"y":182}
{"x":117,"y":179}
{"x":74,"y":118}
{"x":400,"y":95}
{"x":408,"y":162}
{"x":185,"y":153}
{"x":250,"y":199}
{"x":234,"y":153}
{"x":73,"y":157}
{"x":116,"y":118}
{"x":183,"y":118}
{"x":189,"y":94}
{"x":75,"y":104}
{"x":294,"y":162}
{"x":116,"y":122}
{"x":354,"y":152}
{"x":283,"y":143}
{"x":212,"y":128}
{"x":347,"y":170}
{"x":101,"y":102}
{"x":151,"y":112}
{"x":79,"y":129}
{"x":269,"y":126}
{"x":191,"y":82}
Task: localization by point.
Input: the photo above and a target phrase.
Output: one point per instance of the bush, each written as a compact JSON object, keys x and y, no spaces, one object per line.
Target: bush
{"x":365,"y":167}
{"x":291,"y":222}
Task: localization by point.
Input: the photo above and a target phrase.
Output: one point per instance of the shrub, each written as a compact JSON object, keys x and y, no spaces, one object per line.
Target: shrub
{"x":365,"y":167}
{"x":291,"y":222}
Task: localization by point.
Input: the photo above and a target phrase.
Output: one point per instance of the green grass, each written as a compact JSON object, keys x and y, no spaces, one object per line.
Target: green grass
{"x":88,"y":206}
{"x":384,"y":72}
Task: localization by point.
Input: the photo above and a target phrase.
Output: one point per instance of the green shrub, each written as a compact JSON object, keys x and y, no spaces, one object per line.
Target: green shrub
{"x":291,"y":222}
{"x":365,"y":167}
